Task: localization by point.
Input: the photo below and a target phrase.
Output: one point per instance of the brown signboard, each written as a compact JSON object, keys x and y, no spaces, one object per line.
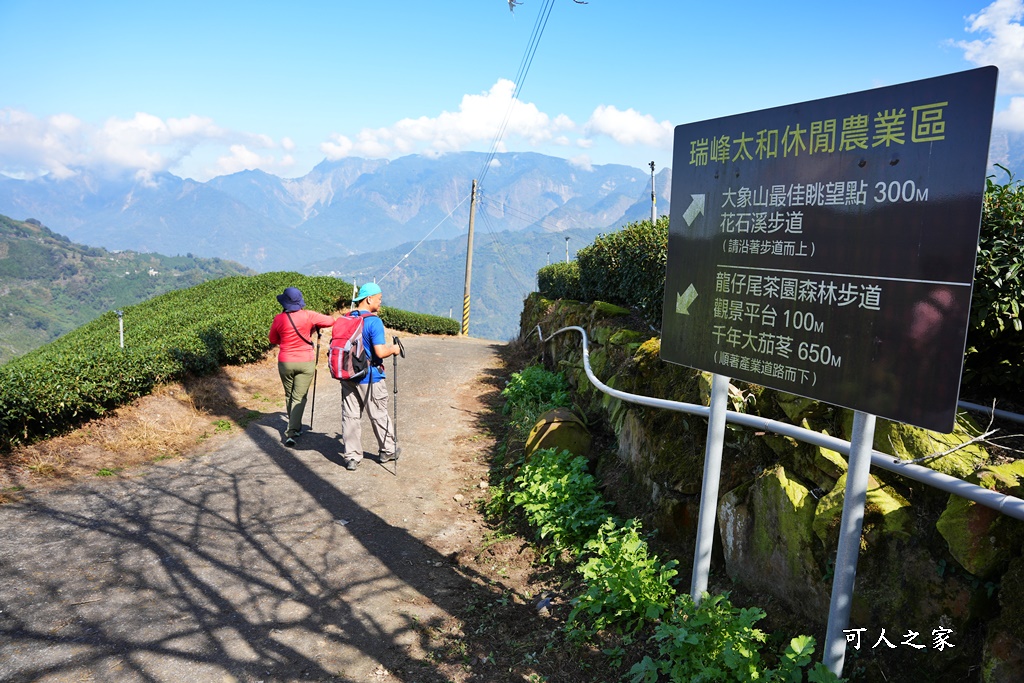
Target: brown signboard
{"x":827,"y":248}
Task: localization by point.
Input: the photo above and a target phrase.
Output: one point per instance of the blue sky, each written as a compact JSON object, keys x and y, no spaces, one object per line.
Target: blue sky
{"x":207,"y":88}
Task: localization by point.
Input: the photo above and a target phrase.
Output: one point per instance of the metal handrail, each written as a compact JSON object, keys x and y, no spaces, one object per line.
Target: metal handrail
{"x":1007,"y":505}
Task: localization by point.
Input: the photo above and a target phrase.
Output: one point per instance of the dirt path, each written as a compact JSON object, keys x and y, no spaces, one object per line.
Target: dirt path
{"x":259,"y":562}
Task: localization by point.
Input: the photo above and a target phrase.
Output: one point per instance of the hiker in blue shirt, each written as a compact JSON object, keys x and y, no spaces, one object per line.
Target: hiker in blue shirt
{"x":371,"y":393}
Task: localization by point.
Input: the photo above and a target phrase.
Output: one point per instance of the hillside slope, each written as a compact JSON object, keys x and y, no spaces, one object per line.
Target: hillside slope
{"x":49,"y":285}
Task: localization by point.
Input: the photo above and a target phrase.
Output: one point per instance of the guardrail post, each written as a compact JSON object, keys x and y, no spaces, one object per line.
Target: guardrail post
{"x":850,"y":526}
{"x":709,"y":487}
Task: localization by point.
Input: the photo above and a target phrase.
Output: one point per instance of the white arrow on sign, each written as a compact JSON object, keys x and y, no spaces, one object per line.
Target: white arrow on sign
{"x":684,"y":300}
{"x":696,"y":207}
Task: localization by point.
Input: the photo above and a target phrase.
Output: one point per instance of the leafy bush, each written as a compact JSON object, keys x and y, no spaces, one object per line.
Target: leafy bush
{"x":535,"y":389}
{"x":715,"y":641}
{"x":417,"y":323}
{"x":995,"y":341}
{"x":627,"y":268}
{"x":529,"y":394}
{"x":626,"y":586}
{"x":560,"y":280}
{"x":560,"y":499}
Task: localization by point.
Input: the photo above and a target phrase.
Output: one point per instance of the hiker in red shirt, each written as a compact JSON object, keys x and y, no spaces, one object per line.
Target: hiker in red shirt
{"x":292,"y":330}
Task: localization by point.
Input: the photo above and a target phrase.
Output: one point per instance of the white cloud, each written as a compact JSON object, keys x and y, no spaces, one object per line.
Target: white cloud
{"x":30,"y":146}
{"x":241,"y":158}
{"x":1011,"y":118}
{"x":143,"y":145}
{"x":582,"y":162}
{"x":629,"y":127}
{"x":478,"y":120}
{"x":1003,"y":44}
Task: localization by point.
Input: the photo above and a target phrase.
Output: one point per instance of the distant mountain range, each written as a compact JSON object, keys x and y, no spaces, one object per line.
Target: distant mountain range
{"x":340,"y":208}
{"x":360,"y":218}
{"x":49,"y":285}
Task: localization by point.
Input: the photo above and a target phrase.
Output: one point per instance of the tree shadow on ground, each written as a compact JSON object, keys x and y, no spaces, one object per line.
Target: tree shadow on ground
{"x":261,"y":568}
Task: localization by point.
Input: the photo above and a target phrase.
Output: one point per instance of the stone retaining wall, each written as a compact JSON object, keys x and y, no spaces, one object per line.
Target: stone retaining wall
{"x":928,"y":560}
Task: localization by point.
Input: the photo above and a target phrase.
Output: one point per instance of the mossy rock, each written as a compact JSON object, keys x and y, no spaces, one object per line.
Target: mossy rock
{"x":983,"y":540}
{"x":601,"y":334}
{"x":560,"y":429}
{"x":767,"y":529}
{"x":1003,"y":657}
{"x":885,"y":512}
{"x":627,"y":338}
{"x":908,"y":442}
{"x":602,"y":309}
{"x":797,"y":408}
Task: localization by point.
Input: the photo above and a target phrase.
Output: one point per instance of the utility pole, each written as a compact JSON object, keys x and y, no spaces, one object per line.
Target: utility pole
{"x":654,"y":199}
{"x":549,"y":257}
{"x":469,"y":262}
{"x":566,"y":249}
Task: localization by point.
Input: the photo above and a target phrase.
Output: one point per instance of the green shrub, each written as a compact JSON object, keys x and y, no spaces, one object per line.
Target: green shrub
{"x":529,"y":394}
{"x":560,"y":500}
{"x":626,"y":586}
{"x":560,"y":280}
{"x":417,"y":323}
{"x":715,"y":641}
{"x":535,"y":389}
{"x":995,"y":340}
{"x":627,"y":268}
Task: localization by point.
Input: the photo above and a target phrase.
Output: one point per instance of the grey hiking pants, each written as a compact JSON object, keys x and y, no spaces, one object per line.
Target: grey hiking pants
{"x":374,"y":397}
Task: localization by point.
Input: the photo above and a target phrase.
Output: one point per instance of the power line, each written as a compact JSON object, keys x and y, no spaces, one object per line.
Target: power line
{"x":499,"y":249}
{"x":425,"y":237}
{"x":542,"y":222}
{"x":524,"y":68}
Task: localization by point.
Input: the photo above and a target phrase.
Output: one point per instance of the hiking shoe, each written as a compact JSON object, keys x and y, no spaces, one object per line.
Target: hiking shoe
{"x":384,"y":457}
{"x":351,"y":465}
{"x":289,"y":442}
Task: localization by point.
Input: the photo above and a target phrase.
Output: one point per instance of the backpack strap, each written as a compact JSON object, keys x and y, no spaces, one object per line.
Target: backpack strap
{"x":297,"y":329}
{"x":368,"y":348}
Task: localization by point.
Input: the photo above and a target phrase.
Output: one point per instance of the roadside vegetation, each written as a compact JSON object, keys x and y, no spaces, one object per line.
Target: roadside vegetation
{"x":620,"y":599}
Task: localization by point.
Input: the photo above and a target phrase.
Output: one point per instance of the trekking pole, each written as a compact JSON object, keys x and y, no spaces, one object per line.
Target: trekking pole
{"x":312,"y":409}
{"x":394,"y":367}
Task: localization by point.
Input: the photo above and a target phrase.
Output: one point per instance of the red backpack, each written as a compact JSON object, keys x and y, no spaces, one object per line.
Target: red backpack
{"x":348,"y":358}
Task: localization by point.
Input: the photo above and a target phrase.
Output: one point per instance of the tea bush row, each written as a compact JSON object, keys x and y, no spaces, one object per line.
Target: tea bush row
{"x":191,"y":331}
{"x":625,"y":267}
{"x":417,"y":323}
{"x":995,"y":338}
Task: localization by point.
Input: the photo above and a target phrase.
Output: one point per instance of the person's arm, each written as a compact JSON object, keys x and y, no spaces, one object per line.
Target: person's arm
{"x":383,"y":351}
{"x":274,"y":336}
{"x":320,"y":320}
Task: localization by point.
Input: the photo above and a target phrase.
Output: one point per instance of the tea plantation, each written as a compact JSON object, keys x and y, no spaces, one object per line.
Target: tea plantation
{"x":191,"y":331}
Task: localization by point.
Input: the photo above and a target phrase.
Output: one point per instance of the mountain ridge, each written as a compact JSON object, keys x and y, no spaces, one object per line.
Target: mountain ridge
{"x":339,"y":208}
